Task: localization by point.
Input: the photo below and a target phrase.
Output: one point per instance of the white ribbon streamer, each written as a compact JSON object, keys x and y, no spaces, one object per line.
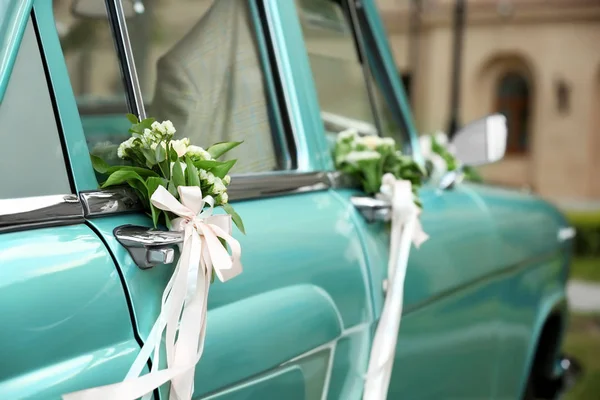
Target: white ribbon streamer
{"x":184,"y":300}
{"x":406,"y":228}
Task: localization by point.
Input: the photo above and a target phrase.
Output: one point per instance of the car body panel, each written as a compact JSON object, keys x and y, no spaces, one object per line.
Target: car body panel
{"x":64,"y":316}
{"x":311,"y":291}
{"x":301,"y":317}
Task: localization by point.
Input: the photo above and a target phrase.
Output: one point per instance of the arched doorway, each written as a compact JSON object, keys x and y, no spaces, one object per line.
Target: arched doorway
{"x":513,"y":99}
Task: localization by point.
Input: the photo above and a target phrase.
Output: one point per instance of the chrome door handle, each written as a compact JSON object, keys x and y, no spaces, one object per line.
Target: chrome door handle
{"x":372,"y":209}
{"x":148,"y":247}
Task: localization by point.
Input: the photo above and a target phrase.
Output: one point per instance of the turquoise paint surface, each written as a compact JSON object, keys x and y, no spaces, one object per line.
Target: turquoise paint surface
{"x":13,"y":19}
{"x":77,"y":148}
{"x":65,"y":323}
{"x":301,"y":95}
{"x":476,"y":295}
{"x":304,"y":285}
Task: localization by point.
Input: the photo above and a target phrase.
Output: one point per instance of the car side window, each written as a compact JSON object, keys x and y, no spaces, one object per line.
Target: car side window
{"x":202,"y":69}
{"x":340,"y":80}
{"x":94,"y":71}
{"x":31,"y":155}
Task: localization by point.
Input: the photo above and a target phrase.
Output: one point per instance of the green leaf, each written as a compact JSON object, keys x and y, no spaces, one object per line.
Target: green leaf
{"x":160,"y":154}
{"x":152,"y":184}
{"x":172,"y":153}
{"x":178,"y":177}
{"x":172,"y":189}
{"x":121,"y":176}
{"x":235,"y":217}
{"x":218,"y":149}
{"x":146,"y":124}
{"x":191,"y":173}
{"x":99,"y":165}
{"x":143,"y":172}
{"x":207,"y":165}
{"x":132,"y":118}
{"x":222,"y":170}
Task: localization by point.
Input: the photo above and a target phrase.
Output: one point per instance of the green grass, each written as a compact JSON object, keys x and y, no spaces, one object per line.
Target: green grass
{"x":587,"y":269}
{"x":583,"y":342}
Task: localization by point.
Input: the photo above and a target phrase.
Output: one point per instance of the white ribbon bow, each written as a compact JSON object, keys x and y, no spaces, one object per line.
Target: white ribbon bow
{"x":184,"y":301}
{"x":406,"y":228}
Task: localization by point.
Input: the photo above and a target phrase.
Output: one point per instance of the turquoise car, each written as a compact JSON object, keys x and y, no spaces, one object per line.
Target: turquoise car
{"x":81,"y":274}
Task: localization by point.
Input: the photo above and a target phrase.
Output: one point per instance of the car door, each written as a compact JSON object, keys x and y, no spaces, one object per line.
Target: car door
{"x":449,"y":330}
{"x":302,"y":310}
{"x":64,"y":319}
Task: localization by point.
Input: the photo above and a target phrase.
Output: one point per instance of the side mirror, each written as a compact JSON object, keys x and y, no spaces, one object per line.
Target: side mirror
{"x":481,"y":142}
{"x":97,"y":8}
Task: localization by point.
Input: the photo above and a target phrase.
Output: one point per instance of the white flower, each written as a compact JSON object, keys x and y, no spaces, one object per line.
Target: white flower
{"x":157,"y":126}
{"x":388,"y":142}
{"x":210,"y":178}
{"x":128,"y":144}
{"x":348,"y":134}
{"x":223,"y":198}
{"x":425,"y":145}
{"x":203,"y":175}
{"x":198,"y":152}
{"x":180,"y":146}
{"x":356,"y":156}
{"x":370,"y":142}
{"x":169,"y":128}
{"x":227,"y":180}
{"x":441,"y":138}
{"x":218,"y":186}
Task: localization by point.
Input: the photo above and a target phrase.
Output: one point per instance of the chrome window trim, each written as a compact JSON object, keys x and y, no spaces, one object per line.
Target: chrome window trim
{"x":39,"y":211}
{"x":131,"y":71}
{"x":105,"y":202}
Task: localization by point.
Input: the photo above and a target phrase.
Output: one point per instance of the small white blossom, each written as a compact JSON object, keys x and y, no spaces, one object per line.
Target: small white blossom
{"x":210,"y":178}
{"x":425,"y":145}
{"x":356,"y":156}
{"x":128,"y":144}
{"x":227,"y":179}
{"x":223,"y":198}
{"x":370,"y":142}
{"x":198,"y":152}
{"x":348,"y":134}
{"x":169,"y":128}
{"x":441,"y":138}
{"x":388,"y":142}
{"x":218,"y":186}
{"x":157,"y":126}
{"x":203,"y":175}
{"x":180,"y":146}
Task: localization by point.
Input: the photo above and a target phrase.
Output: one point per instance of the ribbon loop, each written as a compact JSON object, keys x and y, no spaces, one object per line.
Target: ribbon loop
{"x":406,"y":228}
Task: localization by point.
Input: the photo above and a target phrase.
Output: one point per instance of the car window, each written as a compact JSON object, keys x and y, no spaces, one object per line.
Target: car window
{"x":94,"y":71}
{"x":200,"y":66}
{"x":31,"y":156}
{"x":339,"y":77}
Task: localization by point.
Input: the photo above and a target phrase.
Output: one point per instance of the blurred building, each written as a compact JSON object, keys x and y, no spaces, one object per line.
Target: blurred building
{"x":537,"y":61}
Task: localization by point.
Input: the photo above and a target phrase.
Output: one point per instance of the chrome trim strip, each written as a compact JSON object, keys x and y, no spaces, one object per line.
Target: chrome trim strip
{"x":39,"y":210}
{"x":123,"y":199}
{"x":245,"y":187}
{"x":129,"y":60}
{"x":110,"y":201}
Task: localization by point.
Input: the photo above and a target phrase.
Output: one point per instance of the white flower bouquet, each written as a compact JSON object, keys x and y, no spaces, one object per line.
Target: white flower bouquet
{"x":156,"y":159}
{"x":439,"y":157}
{"x":368,"y":158}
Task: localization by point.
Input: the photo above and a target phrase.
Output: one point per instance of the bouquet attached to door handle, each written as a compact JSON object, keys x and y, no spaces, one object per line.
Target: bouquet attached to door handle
{"x":391,"y":180}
